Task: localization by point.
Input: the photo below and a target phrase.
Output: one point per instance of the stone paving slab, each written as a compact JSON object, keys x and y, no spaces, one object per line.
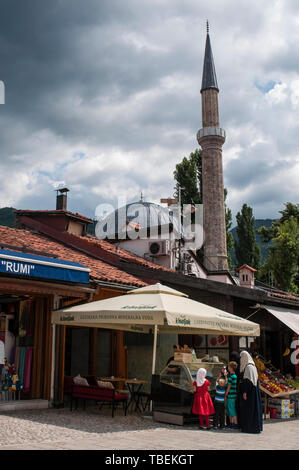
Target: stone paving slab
{"x":93,"y":430}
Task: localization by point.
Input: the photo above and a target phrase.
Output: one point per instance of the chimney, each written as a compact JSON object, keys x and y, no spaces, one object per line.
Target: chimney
{"x":61,"y":199}
{"x":246,"y":276}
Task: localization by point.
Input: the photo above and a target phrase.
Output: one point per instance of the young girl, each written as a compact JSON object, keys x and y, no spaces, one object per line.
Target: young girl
{"x":202,"y":403}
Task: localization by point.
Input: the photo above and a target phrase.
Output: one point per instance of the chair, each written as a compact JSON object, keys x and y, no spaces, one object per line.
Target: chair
{"x":140,"y":396}
{"x":149,"y":396}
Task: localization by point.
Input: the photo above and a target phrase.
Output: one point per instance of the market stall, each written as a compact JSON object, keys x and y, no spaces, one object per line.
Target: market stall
{"x":277,"y":390}
{"x":173,"y":396}
{"x":155,"y":309}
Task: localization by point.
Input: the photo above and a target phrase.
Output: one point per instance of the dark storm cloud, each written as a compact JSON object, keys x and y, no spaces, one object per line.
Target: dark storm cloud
{"x":119,"y":83}
{"x":55,"y":51}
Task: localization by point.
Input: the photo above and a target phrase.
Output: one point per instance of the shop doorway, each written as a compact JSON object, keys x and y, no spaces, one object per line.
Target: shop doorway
{"x":273,"y":348}
{"x":87,"y":353}
{"x":25,"y":334}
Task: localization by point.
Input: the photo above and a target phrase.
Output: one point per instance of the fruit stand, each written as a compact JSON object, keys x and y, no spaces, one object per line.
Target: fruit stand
{"x":272,"y":383}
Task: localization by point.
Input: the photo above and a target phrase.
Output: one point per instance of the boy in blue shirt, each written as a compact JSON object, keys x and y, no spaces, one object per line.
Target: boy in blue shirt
{"x":219,"y":403}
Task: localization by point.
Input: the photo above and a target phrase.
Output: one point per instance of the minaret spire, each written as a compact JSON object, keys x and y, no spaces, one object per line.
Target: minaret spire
{"x":211,"y":138}
{"x":209,"y":79}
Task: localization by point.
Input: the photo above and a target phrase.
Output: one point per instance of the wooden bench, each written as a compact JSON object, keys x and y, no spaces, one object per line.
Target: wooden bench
{"x":99,"y":395}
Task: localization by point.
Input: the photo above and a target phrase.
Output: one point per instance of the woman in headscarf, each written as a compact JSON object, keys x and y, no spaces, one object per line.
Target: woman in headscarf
{"x":202,"y":403}
{"x":250,"y":404}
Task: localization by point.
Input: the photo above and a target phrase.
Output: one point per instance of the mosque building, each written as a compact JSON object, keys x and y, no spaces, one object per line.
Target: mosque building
{"x":155,"y":233}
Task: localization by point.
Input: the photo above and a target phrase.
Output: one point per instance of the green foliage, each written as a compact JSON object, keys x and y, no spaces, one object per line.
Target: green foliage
{"x":268,"y":233}
{"x":264,"y":247}
{"x":229,"y":235}
{"x":246,"y":248}
{"x":283,"y":259}
{"x":91,"y":228}
{"x":188,"y":175}
{"x":7,"y":216}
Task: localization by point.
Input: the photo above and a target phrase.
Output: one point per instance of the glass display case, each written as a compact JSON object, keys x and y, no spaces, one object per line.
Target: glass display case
{"x":173,"y":395}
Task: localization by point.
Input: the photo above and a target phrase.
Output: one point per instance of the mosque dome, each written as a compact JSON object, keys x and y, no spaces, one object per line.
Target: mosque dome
{"x":139,"y":217}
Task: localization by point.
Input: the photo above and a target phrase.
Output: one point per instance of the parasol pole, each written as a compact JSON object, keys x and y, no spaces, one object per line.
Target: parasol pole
{"x":154,"y":359}
{"x":154,"y":349}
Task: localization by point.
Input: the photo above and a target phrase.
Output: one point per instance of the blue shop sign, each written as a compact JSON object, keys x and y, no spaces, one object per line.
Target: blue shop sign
{"x":27,"y":265}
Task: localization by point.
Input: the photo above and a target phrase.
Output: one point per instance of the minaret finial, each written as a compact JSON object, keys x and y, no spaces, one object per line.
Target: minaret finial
{"x":208,"y":27}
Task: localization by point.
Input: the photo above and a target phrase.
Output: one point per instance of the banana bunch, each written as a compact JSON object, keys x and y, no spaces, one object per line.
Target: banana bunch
{"x":259,"y":364}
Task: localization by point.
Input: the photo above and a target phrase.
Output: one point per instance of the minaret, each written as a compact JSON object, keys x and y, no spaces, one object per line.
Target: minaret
{"x":211,"y":138}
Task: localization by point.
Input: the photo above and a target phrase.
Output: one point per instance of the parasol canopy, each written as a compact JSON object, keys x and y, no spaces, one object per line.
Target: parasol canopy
{"x":157,"y":305}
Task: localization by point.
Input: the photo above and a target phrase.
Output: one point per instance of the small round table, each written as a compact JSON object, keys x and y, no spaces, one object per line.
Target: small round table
{"x":134,"y":386}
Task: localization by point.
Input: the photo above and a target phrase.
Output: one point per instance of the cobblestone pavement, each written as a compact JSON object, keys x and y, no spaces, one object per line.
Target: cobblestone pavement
{"x":60,"y":429}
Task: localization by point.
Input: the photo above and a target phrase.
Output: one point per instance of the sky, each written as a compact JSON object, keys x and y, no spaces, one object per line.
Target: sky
{"x":103,"y":96}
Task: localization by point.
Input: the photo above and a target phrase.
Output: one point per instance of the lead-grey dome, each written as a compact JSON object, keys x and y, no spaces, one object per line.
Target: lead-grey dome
{"x":140,"y":216}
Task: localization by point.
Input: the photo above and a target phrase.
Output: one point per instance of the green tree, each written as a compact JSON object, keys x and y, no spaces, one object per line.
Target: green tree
{"x":273,"y":234}
{"x":268,"y":233}
{"x":282,"y":262}
{"x":188,"y":177}
{"x":7,"y":216}
{"x":229,"y":235}
{"x":246,"y":248}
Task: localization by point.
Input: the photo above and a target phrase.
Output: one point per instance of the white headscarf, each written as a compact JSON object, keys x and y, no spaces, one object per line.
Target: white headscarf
{"x":250,"y":372}
{"x":201,"y":377}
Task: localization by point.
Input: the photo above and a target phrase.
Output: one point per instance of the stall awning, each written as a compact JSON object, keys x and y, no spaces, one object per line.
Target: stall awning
{"x":287,"y":316}
{"x":170,"y":310}
{"x":29,"y":265}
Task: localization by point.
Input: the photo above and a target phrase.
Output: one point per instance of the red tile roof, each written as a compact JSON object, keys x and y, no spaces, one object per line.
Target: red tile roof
{"x":123,"y":254}
{"x":89,"y":244}
{"x":247,"y":267}
{"x":38,"y":242}
{"x":283,"y":296}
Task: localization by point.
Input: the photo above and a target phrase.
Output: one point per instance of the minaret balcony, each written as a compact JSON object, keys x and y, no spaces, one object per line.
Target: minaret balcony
{"x":211,"y":131}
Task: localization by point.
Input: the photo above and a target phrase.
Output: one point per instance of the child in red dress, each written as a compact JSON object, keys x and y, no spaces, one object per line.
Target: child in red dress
{"x":202,"y":403}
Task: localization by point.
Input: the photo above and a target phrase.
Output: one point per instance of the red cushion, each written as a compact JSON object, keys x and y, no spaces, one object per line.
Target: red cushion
{"x":93,"y":392}
{"x":120,"y":396}
{"x":97,"y":393}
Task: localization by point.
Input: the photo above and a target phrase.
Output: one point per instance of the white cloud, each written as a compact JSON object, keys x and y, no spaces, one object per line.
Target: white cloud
{"x":295,"y":93}
{"x":278,"y":94}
